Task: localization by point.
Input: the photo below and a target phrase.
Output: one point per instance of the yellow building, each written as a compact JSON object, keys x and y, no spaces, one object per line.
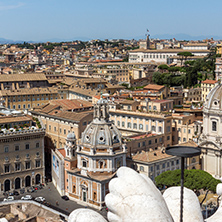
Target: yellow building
{"x":157,"y":123}
{"x":28,"y":98}
{"x":206,"y":87}
{"x":183,"y":128}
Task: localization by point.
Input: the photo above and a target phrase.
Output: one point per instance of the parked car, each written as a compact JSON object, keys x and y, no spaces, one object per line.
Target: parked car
{"x":16,"y":193}
{"x":9,"y":198}
{"x":40,"y":199}
{"x":27,"y":197}
{"x":31,"y":190}
{"x":65,"y":197}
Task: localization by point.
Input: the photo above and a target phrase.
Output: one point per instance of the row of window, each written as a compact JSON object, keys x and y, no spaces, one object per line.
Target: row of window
{"x":135,"y":126}
{"x":184,"y":130}
{"x":24,"y":106}
{"x":149,"y":142}
{"x":17,"y":166}
{"x":17,"y":147}
{"x":163,"y":165}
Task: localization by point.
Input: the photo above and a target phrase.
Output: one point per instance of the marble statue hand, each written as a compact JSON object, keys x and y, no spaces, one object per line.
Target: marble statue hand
{"x":191,"y":205}
{"x":85,"y":215}
{"x":134,"y":197}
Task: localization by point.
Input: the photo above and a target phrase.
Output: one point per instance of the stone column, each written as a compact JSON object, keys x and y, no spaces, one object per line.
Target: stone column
{"x":156,"y":126}
{"x":150,"y":123}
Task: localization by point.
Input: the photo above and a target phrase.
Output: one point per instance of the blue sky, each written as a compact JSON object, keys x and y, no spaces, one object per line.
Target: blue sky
{"x":68,"y":19}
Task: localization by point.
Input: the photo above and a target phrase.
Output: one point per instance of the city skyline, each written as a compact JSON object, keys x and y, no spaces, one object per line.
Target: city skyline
{"x":43,"y":20}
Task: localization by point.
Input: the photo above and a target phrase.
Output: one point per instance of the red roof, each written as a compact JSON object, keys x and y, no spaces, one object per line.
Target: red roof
{"x":209,"y":81}
{"x":153,"y":87}
{"x":63,"y":152}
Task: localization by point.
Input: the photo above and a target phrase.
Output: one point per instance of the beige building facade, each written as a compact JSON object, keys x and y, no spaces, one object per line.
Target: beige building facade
{"x":157,"y":123}
{"x":206,"y":86}
{"x":21,"y":159}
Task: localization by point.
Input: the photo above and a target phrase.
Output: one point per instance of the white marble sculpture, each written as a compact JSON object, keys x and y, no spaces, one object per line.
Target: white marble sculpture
{"x":134,"y":198}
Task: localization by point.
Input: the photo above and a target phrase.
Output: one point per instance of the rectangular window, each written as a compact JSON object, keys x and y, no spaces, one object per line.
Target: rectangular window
{"x":214,"y":126}
{"x":37,"y":145}
{"x":27,"y":146}
{"x":123,"y":124}
{"x":84,"y":123}
{"x":27,"y":165}
{"x":64,"y":131}
{"x":17,"y":166}
{"x":163,"y":166}
{"x":150,"y":141}
{"x":6,"y":149}
{"x":49,"y":127}
{"x":54,"y":129}
{"x":138,"y":144}
{"x":144,"y":143}
{"x":7,"y":168}
{"x":37,"y":163}
{"x":16,"y":147}
{"x":157,"y":167}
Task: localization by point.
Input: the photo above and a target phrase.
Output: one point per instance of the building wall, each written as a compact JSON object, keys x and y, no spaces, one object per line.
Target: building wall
{"x":155,"y":168}
{"x":28,"y":101}
{"x":183,"y":128}
{"x":20,"y":149}
{"x":206,"y":88}
{"x":144,"y":122}
{"x":57,"y":130}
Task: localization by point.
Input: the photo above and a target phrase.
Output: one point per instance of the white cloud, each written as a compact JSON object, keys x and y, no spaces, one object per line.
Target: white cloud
{"x":9,"y":7}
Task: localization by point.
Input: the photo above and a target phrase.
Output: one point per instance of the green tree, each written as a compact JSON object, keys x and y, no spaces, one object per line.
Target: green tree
{"x":163,"y":67}
{"x":193,"y":179}
{"x":183,"y":56}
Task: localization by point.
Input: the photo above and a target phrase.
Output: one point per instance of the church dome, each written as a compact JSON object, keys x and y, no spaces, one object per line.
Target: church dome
{"x":71,"y":136}
{"x":214,"y":99}
{"x":101,"y":133}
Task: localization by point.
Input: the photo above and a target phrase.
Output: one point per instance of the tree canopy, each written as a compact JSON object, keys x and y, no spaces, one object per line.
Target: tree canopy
{"x":168,"y":79}
{"x":193,"y":179}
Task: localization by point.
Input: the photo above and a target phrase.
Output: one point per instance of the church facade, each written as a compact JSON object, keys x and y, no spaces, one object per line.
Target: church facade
{"x":210,"y":140}
{"x":92,"y":163}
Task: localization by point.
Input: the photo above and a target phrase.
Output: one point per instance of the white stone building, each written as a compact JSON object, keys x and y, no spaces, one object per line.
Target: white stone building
{"x":211,"y":139}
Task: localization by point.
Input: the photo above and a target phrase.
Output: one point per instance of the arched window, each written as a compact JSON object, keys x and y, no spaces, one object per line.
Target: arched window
{"x":141,"y":126}
{"x":160,"y":129}
{"x":129,"y":125}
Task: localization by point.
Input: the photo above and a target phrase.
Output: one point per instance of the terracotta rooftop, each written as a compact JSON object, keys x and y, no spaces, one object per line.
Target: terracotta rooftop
{"x":153,"y":87}
{"x":29,"y":91}
{"x":67,"y":104}
{"x":209,"y":81}
{"x":150,"y":156}
{"x":13,"y":119}
{"x":23,"y":77}
{"x":73,"y":116}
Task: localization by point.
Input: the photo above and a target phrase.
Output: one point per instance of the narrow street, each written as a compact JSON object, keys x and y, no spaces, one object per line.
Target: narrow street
{"x":51,"y":195}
